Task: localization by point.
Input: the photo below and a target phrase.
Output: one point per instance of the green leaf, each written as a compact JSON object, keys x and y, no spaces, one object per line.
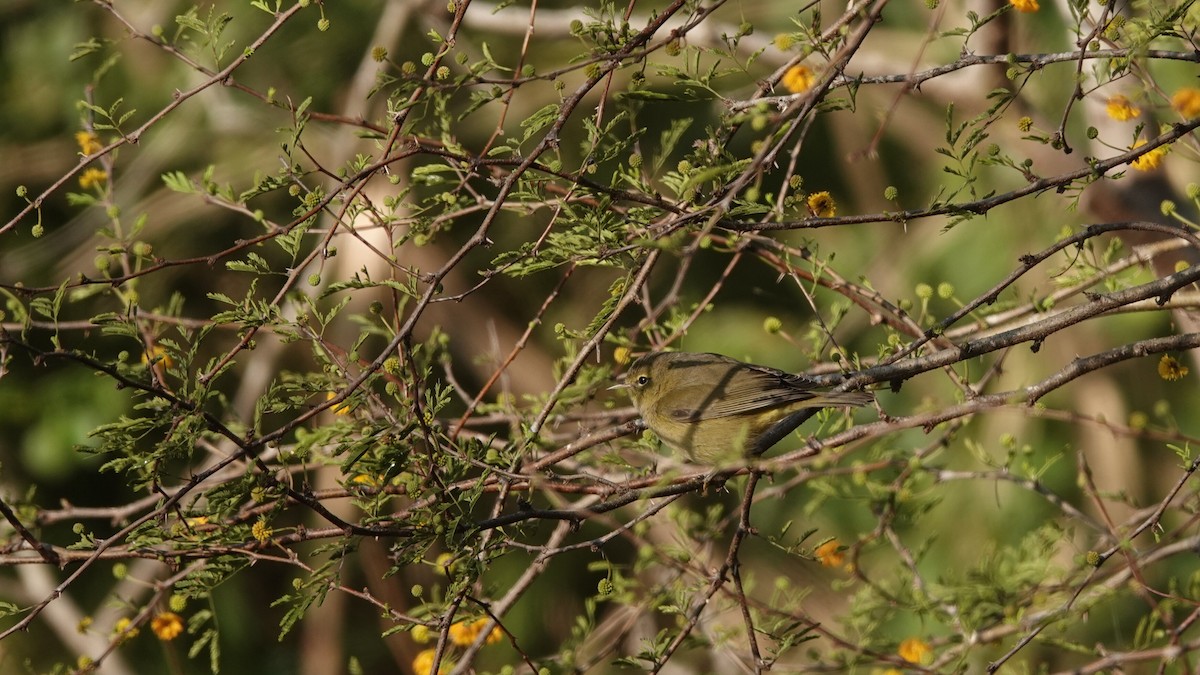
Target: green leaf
{"x":539,"y":120}
{"x":82,"y":49}
{"x":177,"y":181}
{"x":290,"y":241}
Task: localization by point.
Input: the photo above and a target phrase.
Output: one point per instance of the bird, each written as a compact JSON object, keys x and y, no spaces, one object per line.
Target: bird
{"x":712,"y":408}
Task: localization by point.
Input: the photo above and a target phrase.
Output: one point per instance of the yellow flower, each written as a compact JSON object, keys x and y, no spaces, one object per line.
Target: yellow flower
{"x":423,"y":663}
{"x":167,"y":626}
{"x":421,"y":634}
{"x":122,"y":628}
{"x":829,"y":555}
{"x":89,"y":143}
{"x":784,"y":42}
{"x":1150,"y":160}
{"x":1186,"y":102}
{"x":342,"y":408}
{"x":914,"y":650}
{"x":1121,"y":109}
{"x":462,"y":633}
{"x":1024,"y":5}
{"x":92,"y":178}
{"x":1025,"y":124}
{"x":798,"y":78}
{"x":821,"y":204}
{"x":367,"y":480}
{"x":494,"y":636}
{"x":261,"y":531}
{"x":157,"y":354}
{"x":1170,"y":369}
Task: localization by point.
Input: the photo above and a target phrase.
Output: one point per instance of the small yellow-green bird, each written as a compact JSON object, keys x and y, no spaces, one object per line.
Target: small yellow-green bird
{"x":713,"y":408}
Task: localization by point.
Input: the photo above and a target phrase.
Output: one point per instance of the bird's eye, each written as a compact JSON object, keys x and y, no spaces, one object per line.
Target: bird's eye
{"x":643,"y":380}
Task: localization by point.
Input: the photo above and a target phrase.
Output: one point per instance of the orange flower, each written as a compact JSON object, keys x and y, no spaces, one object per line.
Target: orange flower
{"x":462,"y":633}
{"x":1186,"y":102}
{"x":1024,"y":5}
{"x":1150,"y":160}
{"x":494,"y":636}
{"x":167,"y":626}
{"x":829,"y":555}
{"x":342,"y":408}
{"x":423,"y":663}
{"x":914,"y":650}
{"x":1121,"y":109}
{"x":798,"y":78}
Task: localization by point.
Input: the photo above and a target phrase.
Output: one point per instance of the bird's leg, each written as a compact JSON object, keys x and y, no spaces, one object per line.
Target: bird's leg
{"x":718,"y":473}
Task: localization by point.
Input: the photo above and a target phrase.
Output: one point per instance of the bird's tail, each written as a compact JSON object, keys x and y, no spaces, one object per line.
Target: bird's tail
{"x":836,"y":399}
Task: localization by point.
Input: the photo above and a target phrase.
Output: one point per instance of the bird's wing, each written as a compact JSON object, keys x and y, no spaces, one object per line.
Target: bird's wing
{"x":765,"y":388}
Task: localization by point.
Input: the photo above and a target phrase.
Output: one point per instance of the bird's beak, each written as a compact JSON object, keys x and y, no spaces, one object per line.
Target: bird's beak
{"x":622,"y":385}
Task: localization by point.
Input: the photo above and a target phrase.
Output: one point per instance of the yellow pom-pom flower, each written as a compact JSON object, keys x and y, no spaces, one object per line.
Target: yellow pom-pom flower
{"x":89,"y":143}
{"x":829,"y":555}
{"x":92,"y":178}
{"x":821,"y":204}
{"x":1121,"y":108}
{"x":423,"y":663}
{"x":1170,"y":369}
{"x":1186,"y":102}
{"x":342,"y":408}
{"x":167,"y":626}
{"x":914,"y":650}
{"x":1149,"y":161}
{"x":798,"y":78}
